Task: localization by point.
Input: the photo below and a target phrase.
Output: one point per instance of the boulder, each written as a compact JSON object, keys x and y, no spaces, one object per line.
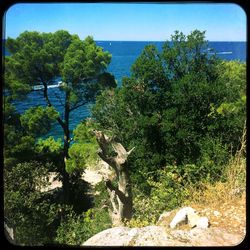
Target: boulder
{"x":160,"y":236}
{"x":190,"y":216}
{"x":181,"y":216}
{"x":202,"y":223}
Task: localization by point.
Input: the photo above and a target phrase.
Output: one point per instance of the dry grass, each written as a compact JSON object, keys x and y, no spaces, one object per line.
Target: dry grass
{"x":228,"y":198}
{"x":235,"y":185}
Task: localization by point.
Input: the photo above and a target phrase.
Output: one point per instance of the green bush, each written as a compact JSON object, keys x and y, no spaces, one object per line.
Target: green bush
{"x":213,"y":159}
{"x":168,"y":190}
{"x":78,"y":228}
{"x":34,"y":215}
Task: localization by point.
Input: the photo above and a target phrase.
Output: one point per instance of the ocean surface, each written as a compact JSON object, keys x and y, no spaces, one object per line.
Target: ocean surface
{"x":124,"y":54}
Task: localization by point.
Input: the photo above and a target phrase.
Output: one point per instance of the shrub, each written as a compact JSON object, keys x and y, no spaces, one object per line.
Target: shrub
{"x":78,"y":228}
{"x":214,"y":157}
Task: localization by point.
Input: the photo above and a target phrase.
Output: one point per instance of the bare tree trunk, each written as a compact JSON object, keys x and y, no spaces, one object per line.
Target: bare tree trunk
{"x":121,"y":196}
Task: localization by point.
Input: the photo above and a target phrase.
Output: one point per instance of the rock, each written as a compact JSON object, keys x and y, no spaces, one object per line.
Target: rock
{"x":117,"y":236}
{"x":202,"y":223}
{"x":159,"y":236}
{"x":92,"y":176}
{"x":192,"y":218}
{"x":181,"y":216}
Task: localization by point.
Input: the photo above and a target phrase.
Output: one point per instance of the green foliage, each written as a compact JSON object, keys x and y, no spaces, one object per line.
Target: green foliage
{"x":49,"y":145}
{"x":214,"y":157}
{"x":168,"y":190}
{"x":78,"y":229}
{"x":50,"y":150}
{"x":38,"y":58}
{"x":83,"y":151}
{"x":83,"y":60}
{"x":174,"y":100}
{"x":77,"y":159}
{"x":37,"y":120}
{"x":32,"y":215}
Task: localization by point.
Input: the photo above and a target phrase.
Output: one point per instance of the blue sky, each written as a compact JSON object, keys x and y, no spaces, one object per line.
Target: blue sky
{"x":129,"y":22}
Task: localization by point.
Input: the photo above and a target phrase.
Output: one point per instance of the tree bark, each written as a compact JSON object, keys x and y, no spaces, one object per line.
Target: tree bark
{"x":122,"y":209}
{"x":65,"y":175}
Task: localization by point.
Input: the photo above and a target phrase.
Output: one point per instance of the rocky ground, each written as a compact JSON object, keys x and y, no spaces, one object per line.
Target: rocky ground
{"x":227,"y":224}
{"x":227,"y":227}
{"x":161,"y":236}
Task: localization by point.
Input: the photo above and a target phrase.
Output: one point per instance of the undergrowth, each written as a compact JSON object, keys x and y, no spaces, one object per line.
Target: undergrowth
{"x":173,"y":190}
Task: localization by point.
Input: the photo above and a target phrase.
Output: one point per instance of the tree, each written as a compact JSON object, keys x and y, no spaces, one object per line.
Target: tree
{"x":28,"y":210}
{"x":90,"y":147}
{"x":39,"y":58}
{"x":115,"y":155}
{"x":164,"y":108}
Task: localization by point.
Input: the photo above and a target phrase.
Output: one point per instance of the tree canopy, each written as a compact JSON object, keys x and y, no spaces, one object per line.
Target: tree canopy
{"x":41,"y":58}
{"x":177,"y":102}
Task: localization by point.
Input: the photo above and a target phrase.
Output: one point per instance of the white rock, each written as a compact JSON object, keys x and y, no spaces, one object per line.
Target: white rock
{"x":158,"y":236}
{"x":202,"y":222}
{"x":181,"y":216}
{"x":133,"y":232}
{"x":193,"y":218}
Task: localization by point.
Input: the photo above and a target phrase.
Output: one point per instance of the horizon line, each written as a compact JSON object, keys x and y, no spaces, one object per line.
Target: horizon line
{"x":98,"y":40}
{"x":161,"y":40}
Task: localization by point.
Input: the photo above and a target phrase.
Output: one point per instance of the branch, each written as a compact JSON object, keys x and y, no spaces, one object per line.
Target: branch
{"x":112,"y":199}
{"x":122,"y":154}
{"x":45,"y":93}
{"x":120,"y":194}
{"x":130,"y":151}
{"x":77,"y":106}
{"x":109,"y":160}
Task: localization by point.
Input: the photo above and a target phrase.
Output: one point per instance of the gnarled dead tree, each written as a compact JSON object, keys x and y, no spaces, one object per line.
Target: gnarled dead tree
{"x":115,"y":155}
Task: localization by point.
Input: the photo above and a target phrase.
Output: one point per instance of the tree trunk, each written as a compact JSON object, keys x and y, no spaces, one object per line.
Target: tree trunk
{"x":124,"y":185}
{"x":65,"y":127}
{"x":121,"y":197}
{"x":65,"y":175}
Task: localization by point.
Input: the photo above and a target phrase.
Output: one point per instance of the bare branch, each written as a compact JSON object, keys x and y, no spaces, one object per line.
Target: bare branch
{"x":112,"y":200}
{"x":130,"y":151}
{"x":118,"y":192}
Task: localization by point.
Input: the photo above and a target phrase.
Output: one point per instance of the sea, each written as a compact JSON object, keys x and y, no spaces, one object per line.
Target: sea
{"x":124,"y":54}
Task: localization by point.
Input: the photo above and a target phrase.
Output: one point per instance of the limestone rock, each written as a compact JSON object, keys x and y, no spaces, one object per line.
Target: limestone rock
{"x":190,"y":216}
{"x":117,"y":236}
{"x":159,"y":236}
{"x":193,"y":218}
{"x":202,"y":222}
{"x":181,"y":216}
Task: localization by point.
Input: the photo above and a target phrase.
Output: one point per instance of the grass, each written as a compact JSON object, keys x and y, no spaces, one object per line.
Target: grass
{"x":233,"y":188}
{"x":227,"y":198}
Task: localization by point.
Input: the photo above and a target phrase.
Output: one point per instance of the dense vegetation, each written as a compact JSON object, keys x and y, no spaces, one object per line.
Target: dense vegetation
{"x":182,"y":109}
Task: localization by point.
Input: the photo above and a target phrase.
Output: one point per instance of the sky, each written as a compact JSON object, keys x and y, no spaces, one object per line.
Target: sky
{"x":128,"y":22}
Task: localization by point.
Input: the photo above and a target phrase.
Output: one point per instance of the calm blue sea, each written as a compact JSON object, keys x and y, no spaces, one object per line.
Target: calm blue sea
{"x":123,"y":56}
